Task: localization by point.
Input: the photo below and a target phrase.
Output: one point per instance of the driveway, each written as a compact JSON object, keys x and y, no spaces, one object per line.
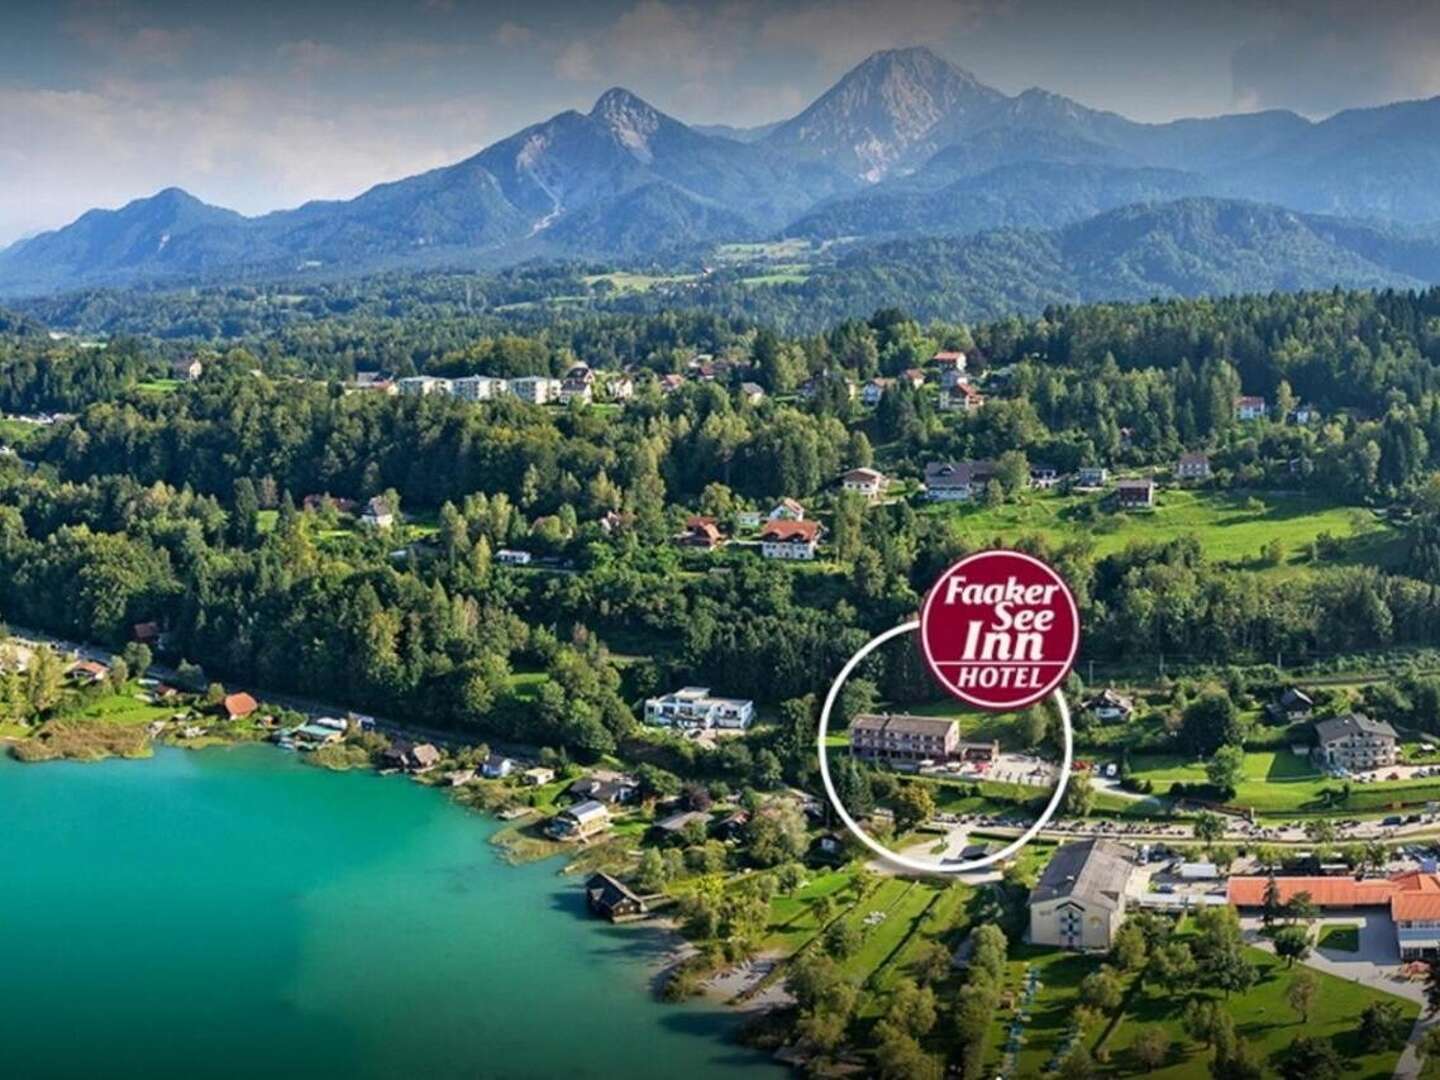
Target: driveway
{"x":1375,"y":964}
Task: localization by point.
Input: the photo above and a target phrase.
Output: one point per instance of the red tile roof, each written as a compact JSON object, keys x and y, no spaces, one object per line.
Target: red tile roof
{"x":1324,"y":891}
{"x":805,"y":531}
{"x":239,"y":705}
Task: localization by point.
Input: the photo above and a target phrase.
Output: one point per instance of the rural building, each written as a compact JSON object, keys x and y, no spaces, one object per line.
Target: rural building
{"x":669,"y":384}
{"x":914,"y":377}
{"x":620,"y":388}
{"x":1193,"y":466}
{"x":949,"y":360}
{"x":377,"y":514}
{"x":1044,"y":477}
{"x":412,"y":757}
{"x":537,"y":776}
{"x":1248,"y":407}
{"x":677,"y":824}
{"x":752,"y":393}
{"x":700,"y":532}
{"x":513,"y":557}
{"x":1109,"y":705}
{"x":1356,"y":742}
{"x":961,"y":397}
{"x":903,"y":738}
{"x":1134,"y":494}
{"x":611,"y":898}
{"x":91,"y":671}
{"x":421,"y":385}
{"x":1092,"y":476}
{"x":497,"y":767}
{"x":786,"y":509}
{"x":608,"y":791}
{"x":579,"y":383}
{"x":580,"y":822}
{"x":950,"y":482}
{"x":187,"y":369}
{"x":874,"y":390}
{"x":1294,"y":704}
{"x":1080,"y":900}
{"x":867,"y":483}
{"x":316,"y":503}
{"x":696,"y":707}
{"x":238,"y":706}
{"x":789,"y":539}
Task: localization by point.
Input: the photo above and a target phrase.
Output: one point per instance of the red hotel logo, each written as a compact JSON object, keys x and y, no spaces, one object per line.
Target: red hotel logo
{"x":1000,"y":630}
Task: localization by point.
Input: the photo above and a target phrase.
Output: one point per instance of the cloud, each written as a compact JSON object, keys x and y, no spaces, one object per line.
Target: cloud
{"x":512,"y":35}
{"x":1329,"y":56}
{"x":576,"y":62}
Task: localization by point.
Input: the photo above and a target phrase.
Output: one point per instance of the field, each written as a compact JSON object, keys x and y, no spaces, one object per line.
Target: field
{"x":623,"y":281}
{"x":1281,"y":782}
{"x":1231,"y":529}
{"x":1263,"y":1018}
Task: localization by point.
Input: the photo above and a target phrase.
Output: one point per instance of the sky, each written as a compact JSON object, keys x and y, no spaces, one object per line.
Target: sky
{"x":265,"y":104}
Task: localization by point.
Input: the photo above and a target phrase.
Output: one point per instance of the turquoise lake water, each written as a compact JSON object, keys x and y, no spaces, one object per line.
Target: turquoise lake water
{"x":237,"y":913}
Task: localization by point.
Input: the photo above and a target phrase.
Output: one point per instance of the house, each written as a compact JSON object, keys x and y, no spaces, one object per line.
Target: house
{"x":732,"y":825}
{"x":536,"y":389}
{"x":422,"y":385}
{"x":700,"y":532}
{"x":961,"y":397}
{"x":238,"y":706}
{"x":313,"y":735}
{"x":752,"y":393}
{"x":789,"y":539}
{"x":786,"y":509}
{"x":459,"y":777}
{"x":875,"y":390}
{"x":914,"y":377}
{"x":1412,"y":897}
{"x":608,"y":790}
{"x":578,"y":384}
{"x":949,"y":482}
{"x":949,"y":360}
{"x":145,"y":633}
{"x":696,"y":707}
{"x":538,"y":776}
{"x":1294,"y":704}
{"x":867,"y":483}
{"x":1044,"y":477}
{"x":670,"y":384}
{"x":187,"y":369}
{"x":1109,"y":705}
{"x":580,"y":822}
{"x":1304,"y":415}
{"x":1134,"y":494}
{"x":377,"y":514}
{"x":498,"y":767}
{"x":611,"y":898}
{"x":1250,"y":408}
{"x":1356,"y":742}
{"x":903,"y":738}
{"x":513,"y":557}
{"x":677,"y":824}
{"x":747,"y":520}
{"x":479,"y":388}
{"x":620,"y":388}
{"x":413,"y":758}
{"x":1092,"y":476}
{"x":1080,"y":900}
{"x":1193,"y":466}
{"x":88,"y":671}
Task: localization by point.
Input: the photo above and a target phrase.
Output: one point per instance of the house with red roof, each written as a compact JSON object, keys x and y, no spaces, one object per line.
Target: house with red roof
{"x":784,"y":539}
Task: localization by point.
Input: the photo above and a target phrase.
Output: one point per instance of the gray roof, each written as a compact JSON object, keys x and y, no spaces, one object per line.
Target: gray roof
{"x":1093,"y":871}
{"x":1356,"y":724}
{"x":678,"y":822}
{"x":945,"y":474}
{"x":904,"y":724}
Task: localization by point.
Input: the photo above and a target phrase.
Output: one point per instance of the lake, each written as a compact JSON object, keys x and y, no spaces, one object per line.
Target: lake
{"x":238,"y":913}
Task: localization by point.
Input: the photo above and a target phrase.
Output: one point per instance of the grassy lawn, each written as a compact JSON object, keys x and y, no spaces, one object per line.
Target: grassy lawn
{"x":1264,"y":1020}
{"x":158,"y":386}
{"x":1050,"y":1016}
{"x":903,"y":904}
{"x":17,"y":433}
{"x":1342,"y":937}
{"x":626,"y":282}
{"x":1232,"y":531}
{"x":1281,"y":782}
{"x":792,"y":918}
{"x":125,"y":710}
{"x":525,"y":685}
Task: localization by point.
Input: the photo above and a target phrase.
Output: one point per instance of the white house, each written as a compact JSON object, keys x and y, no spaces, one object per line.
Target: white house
{"x":420,"y":385}
{"x":578,"y":383}
{"x":787,"y":509}
{"x":1193,"y":466}
{"x":867,"y":483}
{"x":875,"y":390}
{"x":949,"y":360}
{"x":949,"y":482}
{"x":1081,"y":898}
{"x":189,"y":369}
{"x":497,"y":767}
{"x":789,"y":539}
{"x":961,"y":397}
{"x":1248,"y":407}
{"x":696,"y":707}
{"x":513,"y":557}
{"x":1092,"y":476}
{"x":377,"y":514}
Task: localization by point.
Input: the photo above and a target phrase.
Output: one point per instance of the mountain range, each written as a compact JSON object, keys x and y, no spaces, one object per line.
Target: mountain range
{"x":905,"y":145}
